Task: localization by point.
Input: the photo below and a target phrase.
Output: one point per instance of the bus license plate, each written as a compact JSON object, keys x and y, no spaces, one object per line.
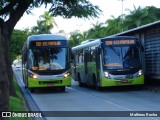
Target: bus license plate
{"x":49,"y":85}
{"x":124,"y":81}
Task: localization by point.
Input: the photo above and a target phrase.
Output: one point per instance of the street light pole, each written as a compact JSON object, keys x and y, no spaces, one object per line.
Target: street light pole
{"x":122,"y":15}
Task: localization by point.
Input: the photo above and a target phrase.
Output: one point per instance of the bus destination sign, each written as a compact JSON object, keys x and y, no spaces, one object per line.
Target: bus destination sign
{"x":120,"y":42}
{"x":48,"y":43}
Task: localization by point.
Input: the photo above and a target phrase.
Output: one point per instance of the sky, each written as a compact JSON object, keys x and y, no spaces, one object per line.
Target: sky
{"x":109,"y":8}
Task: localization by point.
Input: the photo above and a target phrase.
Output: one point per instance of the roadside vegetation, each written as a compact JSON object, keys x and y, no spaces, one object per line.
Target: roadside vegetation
{"x":16,"y":103}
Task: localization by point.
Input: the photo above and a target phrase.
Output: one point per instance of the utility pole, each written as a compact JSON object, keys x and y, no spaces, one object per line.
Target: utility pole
{"x":122,"y":15}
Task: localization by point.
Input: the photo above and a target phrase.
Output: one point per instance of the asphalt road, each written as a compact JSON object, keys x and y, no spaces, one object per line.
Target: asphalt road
{"x":88,"y":104}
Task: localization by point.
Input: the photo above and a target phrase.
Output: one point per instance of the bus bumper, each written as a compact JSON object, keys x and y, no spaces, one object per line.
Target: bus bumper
{"x":35,"y":83}
{"x":111,"y":82}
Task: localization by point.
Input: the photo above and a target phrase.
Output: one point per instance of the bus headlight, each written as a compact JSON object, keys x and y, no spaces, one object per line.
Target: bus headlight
{"x":34,"y":76}
{"x":139,"y":72}
{"x":66,"y":75}
{"x":106,"y":74}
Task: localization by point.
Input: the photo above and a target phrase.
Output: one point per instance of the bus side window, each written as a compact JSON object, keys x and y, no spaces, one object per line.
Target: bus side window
{"x":77,"y":56}
{"x":92,"y":53}
{"x":81,"y":56}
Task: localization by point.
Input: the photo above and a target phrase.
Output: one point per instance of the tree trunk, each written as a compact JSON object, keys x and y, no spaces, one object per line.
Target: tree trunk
{"x":6,"y":46}
{"x":4,"y":84}
{"x":9,"y":68}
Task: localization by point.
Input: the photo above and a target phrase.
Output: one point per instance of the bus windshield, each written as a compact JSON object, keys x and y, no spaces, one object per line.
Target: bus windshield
{"x":121,"y":57}
{"x":47,"y":58}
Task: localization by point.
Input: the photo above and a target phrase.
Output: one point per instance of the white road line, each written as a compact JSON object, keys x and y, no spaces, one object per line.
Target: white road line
{"x":120,"y":106}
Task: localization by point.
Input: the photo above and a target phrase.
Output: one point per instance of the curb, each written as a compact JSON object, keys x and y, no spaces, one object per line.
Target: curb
{"x":28,"y":100}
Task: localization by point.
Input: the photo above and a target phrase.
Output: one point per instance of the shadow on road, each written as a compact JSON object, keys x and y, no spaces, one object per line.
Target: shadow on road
{"x":48,"y":90}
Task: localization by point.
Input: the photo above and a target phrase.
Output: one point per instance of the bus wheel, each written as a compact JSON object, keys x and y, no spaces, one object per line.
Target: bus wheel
{"x":79,"y":80}
{"x":63,"y":88}
{"x":95,"y":83}
{"x":32,"y":90}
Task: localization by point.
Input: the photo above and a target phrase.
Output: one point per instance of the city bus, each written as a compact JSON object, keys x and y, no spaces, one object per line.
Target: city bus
{"x":109,"y":61}
{"x":46,"y":61}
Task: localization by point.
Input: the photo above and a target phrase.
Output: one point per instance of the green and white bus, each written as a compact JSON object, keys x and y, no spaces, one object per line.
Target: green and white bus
{"x":46,"y":61}
{"x":109,"y":61}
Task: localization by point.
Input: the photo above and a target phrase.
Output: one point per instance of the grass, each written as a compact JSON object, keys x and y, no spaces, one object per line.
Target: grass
{"x":17,"y":103}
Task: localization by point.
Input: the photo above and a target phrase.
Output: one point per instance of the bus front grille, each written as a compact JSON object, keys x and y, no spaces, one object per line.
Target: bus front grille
{"x":50,"y":82}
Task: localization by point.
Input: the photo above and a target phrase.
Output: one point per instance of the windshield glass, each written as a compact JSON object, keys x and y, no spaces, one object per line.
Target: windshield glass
{"x":121,"y":57}
{"x":47,"y":58}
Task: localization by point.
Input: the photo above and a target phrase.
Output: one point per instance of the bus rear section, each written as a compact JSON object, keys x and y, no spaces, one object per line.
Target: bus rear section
{"x":45,"y":62}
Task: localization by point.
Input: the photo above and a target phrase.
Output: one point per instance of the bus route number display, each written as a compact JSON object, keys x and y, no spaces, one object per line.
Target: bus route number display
{"x":47,"y":43}
{"x":120,"y":42}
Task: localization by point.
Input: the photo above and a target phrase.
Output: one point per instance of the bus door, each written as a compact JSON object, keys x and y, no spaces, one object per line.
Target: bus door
{"x":86,"y":55}
{"x":97,"y":60}
{"x":74,"y":66}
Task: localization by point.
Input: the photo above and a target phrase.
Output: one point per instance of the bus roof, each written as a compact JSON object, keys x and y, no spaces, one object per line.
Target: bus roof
{"x":47,"y":37}
{"x":118,"y":37}
{"x":88,"y":43}
{"x":98,"y":41}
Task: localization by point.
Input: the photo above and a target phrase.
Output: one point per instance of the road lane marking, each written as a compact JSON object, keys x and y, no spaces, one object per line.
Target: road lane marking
{"x":120,"y":106}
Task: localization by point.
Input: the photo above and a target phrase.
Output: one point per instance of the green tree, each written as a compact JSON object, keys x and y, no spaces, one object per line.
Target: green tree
{"x":74,"y":39}
{"x":83,"y":36}
{"x":114,"y":25}
{"x":11,"y":12}
{"x":153,"y":14}
{"x":18,"y":38}
{"x":45,"y":24}
{"x":135,"y":17}
{"x":37,"y":29}
{"x":95,"y":31}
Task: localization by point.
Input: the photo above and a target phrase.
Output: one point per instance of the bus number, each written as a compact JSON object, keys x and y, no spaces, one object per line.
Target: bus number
{"x":38,"y":43}
{"x":44,"y":43}
{"x":109,"y":42}
{"x":48,"y":43}
{"x":120,"y":42}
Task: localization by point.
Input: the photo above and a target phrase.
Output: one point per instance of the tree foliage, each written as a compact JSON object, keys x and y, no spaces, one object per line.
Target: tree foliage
{"x":78,"y":8}
{"x":10,"y":13}
{"x":18,"y":38}
{"x":136,"y":17}
{"x":44,"y":24}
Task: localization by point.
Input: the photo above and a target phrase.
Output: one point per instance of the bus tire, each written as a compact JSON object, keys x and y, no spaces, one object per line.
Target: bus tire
{"x":79,"y":81}
{"x":63,"y":88}
{"x":32,"y":90}
{"x":95,"y":83}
